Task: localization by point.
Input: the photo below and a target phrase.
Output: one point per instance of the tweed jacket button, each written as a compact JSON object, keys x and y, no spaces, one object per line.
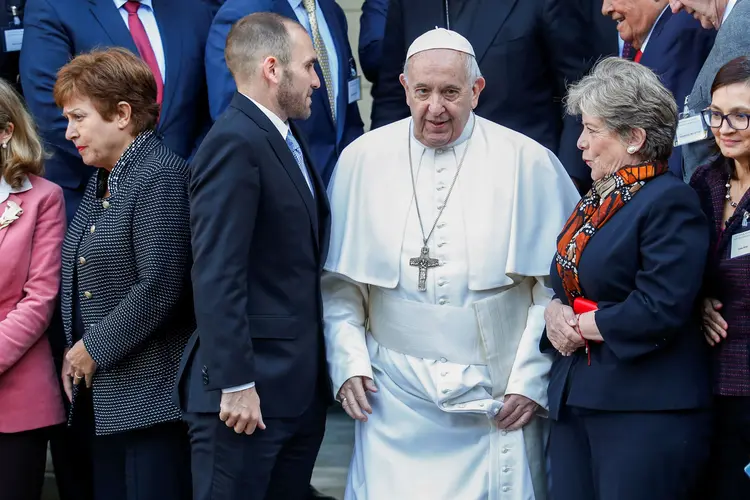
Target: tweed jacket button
{"x":88,"y":294}
{"x":105,"y":204}
{"x":93,"y":228}
{"x":82,"y":261}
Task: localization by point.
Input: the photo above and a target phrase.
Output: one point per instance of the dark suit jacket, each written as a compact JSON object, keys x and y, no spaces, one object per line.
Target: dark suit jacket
{"x":259,"y":243}
{"x":325,"y":139}
{"x":527,"y":50}
{"x":644,"y":268}
{"x":371,"y":32}
{"x":133,"y":285}
{"x":676,"y":51}
{"x":58,"y":30}
{"x":604,"y":33}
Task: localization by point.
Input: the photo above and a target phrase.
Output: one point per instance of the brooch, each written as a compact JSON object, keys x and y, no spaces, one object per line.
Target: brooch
{"x":11,"y":213}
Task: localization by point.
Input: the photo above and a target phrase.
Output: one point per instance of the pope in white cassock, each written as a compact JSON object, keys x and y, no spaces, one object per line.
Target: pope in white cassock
{"x":444,"y":229}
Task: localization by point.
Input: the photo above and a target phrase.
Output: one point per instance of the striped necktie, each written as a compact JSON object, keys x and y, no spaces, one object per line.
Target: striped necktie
{"x":320,"y":50}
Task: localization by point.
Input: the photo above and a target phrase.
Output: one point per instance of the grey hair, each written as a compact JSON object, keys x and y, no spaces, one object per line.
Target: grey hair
{"x":626,"y":96}
{"x":473,"y":73}
{"x":255,"y":37}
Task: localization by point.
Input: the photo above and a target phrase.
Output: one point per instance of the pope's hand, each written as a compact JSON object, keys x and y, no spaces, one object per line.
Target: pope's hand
{"x":353,"y":397}
{"x":82,"y":365}
{"x":241,"y":411}
{"x":561,"y":322}
{"x":516,"y":413}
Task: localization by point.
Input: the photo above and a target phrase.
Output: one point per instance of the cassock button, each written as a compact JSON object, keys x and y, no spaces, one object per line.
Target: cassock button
{"x":440,"y":170}
{"x":440,"y":207}
{"x":88,"y":294}
{"x":443,"y":360}
{"x":439,"y":151}
{"x":504,"y":433}
{"x":441,"y":225}
{"x":105,"y":204}
{"x":462,"y":405}
{"x":441,"y":187}
{"x":506,"y":488}
{"x":442,"y":302}
{"x":446,"y":391}
{"x":506,"y":469}
{"x":505,"y":450}
{"x":443,"y":374}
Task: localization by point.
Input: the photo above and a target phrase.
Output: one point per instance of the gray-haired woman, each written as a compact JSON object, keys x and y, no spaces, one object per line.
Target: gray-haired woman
{"x":629,"y":393}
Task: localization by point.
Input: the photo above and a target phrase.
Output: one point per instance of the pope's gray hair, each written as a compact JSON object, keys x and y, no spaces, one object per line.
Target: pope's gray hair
{"x":626,"y":95}
{"x":473,"y":73}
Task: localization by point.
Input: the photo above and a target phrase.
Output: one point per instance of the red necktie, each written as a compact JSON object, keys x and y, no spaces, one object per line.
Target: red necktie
{"x":638,"y":56}
{"x":142,"y":43}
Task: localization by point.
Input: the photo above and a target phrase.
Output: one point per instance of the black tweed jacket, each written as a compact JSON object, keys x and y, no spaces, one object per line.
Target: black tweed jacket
{"x":127,"y":260}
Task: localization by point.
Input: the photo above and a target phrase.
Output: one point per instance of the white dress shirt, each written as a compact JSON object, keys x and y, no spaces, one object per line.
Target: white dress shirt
{"x":6,"y":190}
{"x":728,"y":10}
{"x":146,"y":15}
{"x":325,"y":35}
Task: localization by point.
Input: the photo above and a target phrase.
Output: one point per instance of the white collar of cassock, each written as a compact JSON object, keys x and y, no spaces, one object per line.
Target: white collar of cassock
{"x":6,"y":190}
{"x":465,"y":134}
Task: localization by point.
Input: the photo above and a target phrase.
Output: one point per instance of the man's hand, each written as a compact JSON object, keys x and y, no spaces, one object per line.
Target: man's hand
{"x":516,"y":413}
{"x":561,"y":322}
{"x":714,"y":325}
{"x":82,"y":365}
{"x":353,"y":397}
{"x":241,"y":410}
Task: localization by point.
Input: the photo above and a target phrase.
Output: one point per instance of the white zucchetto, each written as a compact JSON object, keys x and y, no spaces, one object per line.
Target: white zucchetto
{"x":440,"y":38}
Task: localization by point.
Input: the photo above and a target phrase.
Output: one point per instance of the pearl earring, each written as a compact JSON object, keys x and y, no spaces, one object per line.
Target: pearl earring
{"x":632,"y":149}
{"x":5,"y":145}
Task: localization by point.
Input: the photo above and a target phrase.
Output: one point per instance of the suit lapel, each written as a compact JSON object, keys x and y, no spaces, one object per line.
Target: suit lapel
{"x":482,"y":28}
{"x":3,"y":206}
{"x":339,"y":36}
{"x":171,"y":39}
{"x":322,"y":208}
{"x":656,"y":33}
{"x":111,"y":22}
{"x":280,"y":148}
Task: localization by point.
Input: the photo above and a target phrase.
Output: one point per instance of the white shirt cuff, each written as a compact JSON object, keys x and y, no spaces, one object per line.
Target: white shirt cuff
{"x":238,"y":388}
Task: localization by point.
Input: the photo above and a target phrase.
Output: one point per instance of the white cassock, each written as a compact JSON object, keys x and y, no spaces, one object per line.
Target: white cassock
{"x":444,"y":358}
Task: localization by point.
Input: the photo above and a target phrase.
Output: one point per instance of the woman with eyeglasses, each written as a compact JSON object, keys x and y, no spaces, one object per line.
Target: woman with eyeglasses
{"x":723,"y":189}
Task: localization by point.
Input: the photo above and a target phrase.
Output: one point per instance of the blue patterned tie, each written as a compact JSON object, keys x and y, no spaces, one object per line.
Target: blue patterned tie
{"x":293,"y":145}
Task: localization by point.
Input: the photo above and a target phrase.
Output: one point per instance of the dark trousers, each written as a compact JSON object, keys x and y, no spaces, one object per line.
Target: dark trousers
{"x":596,"y":455}
{"x":730,"y":450}
{"x":143,"y":464}
{"x":23,"y":456}
{"x":271,"y":464}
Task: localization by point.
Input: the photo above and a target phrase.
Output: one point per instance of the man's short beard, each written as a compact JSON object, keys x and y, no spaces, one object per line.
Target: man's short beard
{"x":290,"y":102}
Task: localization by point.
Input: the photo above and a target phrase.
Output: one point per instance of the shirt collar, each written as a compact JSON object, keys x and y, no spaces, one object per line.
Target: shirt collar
{"x":6,"y":190}
{"x":730,"y":5}
{"x":295,"y":3}
{"x":280,"y":125}
{"x":651,"y":32}
{"x":146,"y":3}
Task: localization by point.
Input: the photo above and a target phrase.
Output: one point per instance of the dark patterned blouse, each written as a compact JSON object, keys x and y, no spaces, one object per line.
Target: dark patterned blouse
{"x":727,"y":279}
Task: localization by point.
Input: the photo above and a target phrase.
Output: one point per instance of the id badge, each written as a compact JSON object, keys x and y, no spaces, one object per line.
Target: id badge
{"x":355,"y":83}
{"x":12,"y":39}
{"x":740,"y":245}
{"x":689,"y":130}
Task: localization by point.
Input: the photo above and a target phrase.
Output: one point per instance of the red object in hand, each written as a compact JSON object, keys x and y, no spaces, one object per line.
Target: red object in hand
{"x":581,"y":305}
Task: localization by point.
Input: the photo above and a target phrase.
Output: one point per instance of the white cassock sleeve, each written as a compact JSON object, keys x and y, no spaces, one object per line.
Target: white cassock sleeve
{"x":344,"y":315}
{"x":530,"y":373}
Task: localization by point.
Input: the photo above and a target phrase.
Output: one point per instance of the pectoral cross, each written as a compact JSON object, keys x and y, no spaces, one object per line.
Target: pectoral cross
{"x":423,"y":262}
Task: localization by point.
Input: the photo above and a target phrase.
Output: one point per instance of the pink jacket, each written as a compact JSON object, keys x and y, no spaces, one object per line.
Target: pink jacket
{"x":30,"y":260}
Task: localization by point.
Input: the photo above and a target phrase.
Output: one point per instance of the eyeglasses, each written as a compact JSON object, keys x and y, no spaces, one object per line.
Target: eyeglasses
{"x":737,"y":121}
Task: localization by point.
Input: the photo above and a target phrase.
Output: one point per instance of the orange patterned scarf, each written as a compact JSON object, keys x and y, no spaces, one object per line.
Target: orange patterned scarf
{"x":606,"y":197}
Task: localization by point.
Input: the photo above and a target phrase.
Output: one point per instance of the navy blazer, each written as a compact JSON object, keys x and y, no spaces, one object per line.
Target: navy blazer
{"x":58,"y":30}
{"x":644,"y":268}
{"x":676,"y":51}
{"x":326,"y":139}
{"x":527,"y":50}
{"x":260,"y":240}
{"x":371,"y":33}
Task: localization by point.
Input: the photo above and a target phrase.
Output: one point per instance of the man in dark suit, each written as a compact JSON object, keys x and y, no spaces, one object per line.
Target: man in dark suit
{"x":527,"y":51}
{"x":332,"y":126}
{"x":674,"y":46}
{"x":254,"y":387}
{"x":55,"y":31}
{"x":10,"y":23}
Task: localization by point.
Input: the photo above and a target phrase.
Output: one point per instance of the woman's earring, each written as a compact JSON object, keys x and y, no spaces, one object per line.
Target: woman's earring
{"x":5,"y":145}
{"x":631,"y":149}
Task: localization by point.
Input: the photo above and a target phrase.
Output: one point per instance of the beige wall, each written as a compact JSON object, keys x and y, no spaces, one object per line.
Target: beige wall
{"x":353,"y":9}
